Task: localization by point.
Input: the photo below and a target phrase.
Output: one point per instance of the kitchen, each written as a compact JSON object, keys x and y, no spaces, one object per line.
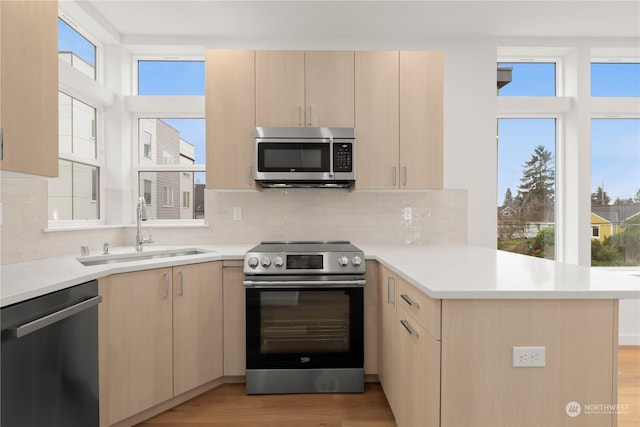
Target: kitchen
{"x":365,"y":217}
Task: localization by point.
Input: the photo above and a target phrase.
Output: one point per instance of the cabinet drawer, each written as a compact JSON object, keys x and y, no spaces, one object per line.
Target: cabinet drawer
{"x":425,"y":310}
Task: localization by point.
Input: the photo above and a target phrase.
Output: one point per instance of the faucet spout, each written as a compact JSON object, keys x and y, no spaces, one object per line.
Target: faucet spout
{"x":141,"y":215}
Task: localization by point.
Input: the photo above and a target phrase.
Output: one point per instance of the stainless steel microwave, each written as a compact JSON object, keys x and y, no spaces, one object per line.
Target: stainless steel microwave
{"x":305,"y":157}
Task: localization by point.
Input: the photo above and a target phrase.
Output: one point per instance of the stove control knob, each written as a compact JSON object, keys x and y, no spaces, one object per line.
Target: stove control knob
{"x":343,"y":261}
{"x":253,"y":262}
{"x":356,"y":261}
{"x":278,"y":261}
{"x":266,"y":262}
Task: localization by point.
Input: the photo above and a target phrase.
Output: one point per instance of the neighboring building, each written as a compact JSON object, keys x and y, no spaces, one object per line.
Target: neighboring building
{"x":169,"y":195}
{"x":608,"y":220}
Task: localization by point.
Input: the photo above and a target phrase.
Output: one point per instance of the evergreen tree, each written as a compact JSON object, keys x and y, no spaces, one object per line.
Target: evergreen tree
{"x":600,"y":197}
{"x":537,"y":188}
{"x":508,"y":198}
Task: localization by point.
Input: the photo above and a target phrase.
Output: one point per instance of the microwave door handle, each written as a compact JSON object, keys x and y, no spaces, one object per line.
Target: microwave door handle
{"x":331,"y":142}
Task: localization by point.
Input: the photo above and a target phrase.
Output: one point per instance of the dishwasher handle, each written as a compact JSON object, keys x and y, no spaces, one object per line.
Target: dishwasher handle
{"x":52,"y":318}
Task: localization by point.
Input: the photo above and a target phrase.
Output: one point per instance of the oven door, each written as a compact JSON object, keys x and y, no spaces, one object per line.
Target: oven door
{"x":304,"y":327}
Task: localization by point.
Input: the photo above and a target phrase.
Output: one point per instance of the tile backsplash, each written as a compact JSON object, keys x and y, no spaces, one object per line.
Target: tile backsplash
{"x":366,"y":217}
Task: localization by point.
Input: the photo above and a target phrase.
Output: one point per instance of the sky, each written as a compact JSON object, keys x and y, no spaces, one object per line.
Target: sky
{"x":615,"y":143}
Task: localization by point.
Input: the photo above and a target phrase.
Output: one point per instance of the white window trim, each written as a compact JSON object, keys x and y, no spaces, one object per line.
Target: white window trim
{"x":99,"y":68}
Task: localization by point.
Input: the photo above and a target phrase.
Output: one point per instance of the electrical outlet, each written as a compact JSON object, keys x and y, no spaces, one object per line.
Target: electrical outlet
{"x":407,"y":213}
{"x":237,"y":213}
{"x":526,"y":357}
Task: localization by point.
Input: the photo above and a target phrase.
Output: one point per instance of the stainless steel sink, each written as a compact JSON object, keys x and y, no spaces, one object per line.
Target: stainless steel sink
{"x":139,"y":256}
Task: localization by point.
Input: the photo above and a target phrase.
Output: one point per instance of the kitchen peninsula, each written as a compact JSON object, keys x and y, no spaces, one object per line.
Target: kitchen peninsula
{"x":461,"y":309}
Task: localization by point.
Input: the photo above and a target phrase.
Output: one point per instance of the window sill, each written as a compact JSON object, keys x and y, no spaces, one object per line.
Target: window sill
{"x":77,"y":227}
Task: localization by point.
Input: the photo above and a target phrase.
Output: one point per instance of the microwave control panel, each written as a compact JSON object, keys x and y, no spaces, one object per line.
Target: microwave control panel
{"x":342,"y":157}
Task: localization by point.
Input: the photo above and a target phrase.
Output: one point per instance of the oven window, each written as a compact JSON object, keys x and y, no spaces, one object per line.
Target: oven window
{"x":304,"y":322}
{"x":292,"y":157}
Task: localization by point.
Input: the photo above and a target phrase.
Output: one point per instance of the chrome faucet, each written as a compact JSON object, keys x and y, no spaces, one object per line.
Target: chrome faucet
{"x":141,"y":212}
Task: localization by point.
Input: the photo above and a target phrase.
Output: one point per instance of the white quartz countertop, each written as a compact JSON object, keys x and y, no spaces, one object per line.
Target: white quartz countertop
{"x":441,"y":271}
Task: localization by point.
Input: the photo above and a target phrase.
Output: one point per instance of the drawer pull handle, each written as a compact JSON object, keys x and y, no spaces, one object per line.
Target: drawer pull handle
{"x":409,"y":329}
{"x":412,"y":304}
{"x":390,"y":293}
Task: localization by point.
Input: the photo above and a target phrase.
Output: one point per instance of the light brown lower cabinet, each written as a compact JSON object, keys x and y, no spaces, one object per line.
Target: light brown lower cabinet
{"x":418,"y":401}
{"x":234,"y":318}
{"x":163,"y":331}
{"x":466,"y":377}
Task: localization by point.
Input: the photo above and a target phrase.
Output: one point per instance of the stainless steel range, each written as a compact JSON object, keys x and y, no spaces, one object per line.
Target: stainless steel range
{"x":304,"y":317}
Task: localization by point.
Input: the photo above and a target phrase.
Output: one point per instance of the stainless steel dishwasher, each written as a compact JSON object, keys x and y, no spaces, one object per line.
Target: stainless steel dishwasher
{"x":49,"y":359}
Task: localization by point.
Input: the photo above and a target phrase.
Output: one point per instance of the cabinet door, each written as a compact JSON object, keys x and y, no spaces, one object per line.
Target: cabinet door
{"x":387,"y":358}
{"x":234,"y":318}
{"x":329,"y":88}
{"x":29,"y":82}
{"x":421,"y":94}
{"x":197,"y":325}
{"x":377,"y":119}
{"x":279,"y":88}
{"x":418,"y":400}
{"x":230,"y":114}
{"x":140,"y":341}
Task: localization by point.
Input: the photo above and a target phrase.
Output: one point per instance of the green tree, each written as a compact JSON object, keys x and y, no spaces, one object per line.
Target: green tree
{"x":537,"y":188}
{"x":604,"y":254}
{"x":508,"y":198}
{"x":600,"y":197}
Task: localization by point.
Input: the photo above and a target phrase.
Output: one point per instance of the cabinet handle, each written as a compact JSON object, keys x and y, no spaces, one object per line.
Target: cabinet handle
{"x":309,"y":121}
{"x":166,"y":286}
{"x":393,"y":176}
{"x":250,"y":175}
{"x":404,"y":175}
{"x":409,"y":329}
{"x":181,"y":287}
{"x":390,"y":300}
{"x":299,"y":116}
{"x":412,"y":304}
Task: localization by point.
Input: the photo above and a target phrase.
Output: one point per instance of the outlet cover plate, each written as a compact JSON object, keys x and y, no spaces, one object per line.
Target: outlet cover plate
{"x":527,"y":357}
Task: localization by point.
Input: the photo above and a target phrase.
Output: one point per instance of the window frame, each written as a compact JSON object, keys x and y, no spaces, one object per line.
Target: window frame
{"x":98,"y":162}
{"x":80,"y":29}
{"x":560,"y":89}
{"x":559,"y":167}
{"x":164,"y":58}
{"x":139,"y":167}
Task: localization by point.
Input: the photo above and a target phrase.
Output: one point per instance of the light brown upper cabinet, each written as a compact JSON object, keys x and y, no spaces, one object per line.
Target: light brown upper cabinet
{"x":399,"y":98}
{"x":305,"y":89}
{"x":377,"y":119}
{"x":230,"y":113}
{"x":421,"y":98}
{"x":29,"y":86}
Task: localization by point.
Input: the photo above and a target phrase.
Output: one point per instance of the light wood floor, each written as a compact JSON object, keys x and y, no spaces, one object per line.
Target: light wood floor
{"x":228,"y":405}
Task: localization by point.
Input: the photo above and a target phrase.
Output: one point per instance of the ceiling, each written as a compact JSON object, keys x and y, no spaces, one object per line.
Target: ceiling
{"x":136,"y":19}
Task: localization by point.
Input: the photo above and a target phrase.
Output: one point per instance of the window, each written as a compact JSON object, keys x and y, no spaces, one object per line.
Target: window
{"x":170,"y":77}
{"x":180,"y":169}
{"x":168,"y":197}
{"x":75,"y":49}
{"x":615,"y":79}
{"x":530,"y":79}
{"x":75,"y":193}
{"x":526,"y":186}
{"x":595,"y":231}
{"x":146,"y":191}
{"x":615,"y":191}
{"x":146,"y":144}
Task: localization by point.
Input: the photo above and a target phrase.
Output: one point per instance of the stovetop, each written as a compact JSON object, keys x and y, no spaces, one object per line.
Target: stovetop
{"x":306,"y":246}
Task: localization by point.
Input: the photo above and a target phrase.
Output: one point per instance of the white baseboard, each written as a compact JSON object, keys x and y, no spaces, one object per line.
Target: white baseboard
{"x":628,"y":339}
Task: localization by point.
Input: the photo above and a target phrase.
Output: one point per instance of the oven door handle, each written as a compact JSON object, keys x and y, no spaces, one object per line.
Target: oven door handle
{"x":301,"y":284}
